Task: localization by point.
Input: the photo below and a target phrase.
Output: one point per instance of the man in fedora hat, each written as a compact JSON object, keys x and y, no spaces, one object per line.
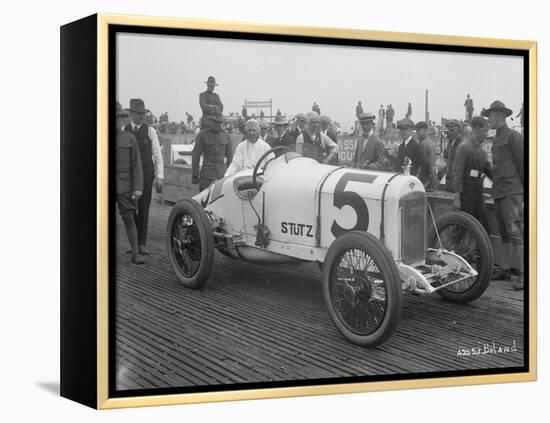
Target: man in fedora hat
{"x":151,"y":162}
{"x":369,"y":152}
{"x":314,"y":144}
{"x":283,"y":137}
{"x":409,"y":147}
{"x":507,"y":190}
{"x":129,"y":180}
{"x":214,"y":144}
{"x":454,"y":139}
{"x":210,"y":101}
{"x":470,"y":166}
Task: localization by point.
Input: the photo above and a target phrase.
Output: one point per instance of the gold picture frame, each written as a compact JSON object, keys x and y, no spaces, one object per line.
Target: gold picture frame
{"x":100,"y":359}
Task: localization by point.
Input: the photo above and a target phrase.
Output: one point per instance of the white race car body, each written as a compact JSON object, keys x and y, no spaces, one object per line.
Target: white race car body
{"x":307,"y":205}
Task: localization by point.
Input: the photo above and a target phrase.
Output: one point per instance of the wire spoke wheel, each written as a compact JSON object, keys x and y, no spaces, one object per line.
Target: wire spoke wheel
{"x":190,"y":243}
{"x":186,"y":247}
{"x":362,"y":288}
{"x":358,"y":291}
{"x":459,"y":239}
{"x":462,"y":234}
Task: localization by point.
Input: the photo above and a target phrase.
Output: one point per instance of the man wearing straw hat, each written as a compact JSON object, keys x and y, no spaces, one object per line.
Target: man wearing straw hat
{"x":214,"y":144}
{"x":507,"y":190}
{"x":370,"y":152}
{"x":129,"y":181}
{"x":210,"y":101}
{"x":151,"y":162}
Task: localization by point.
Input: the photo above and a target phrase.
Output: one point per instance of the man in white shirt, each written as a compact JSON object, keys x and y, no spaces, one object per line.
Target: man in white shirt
{"x":249,"y":151}
{"x":151,"y":162}
{"x":313,"y":143}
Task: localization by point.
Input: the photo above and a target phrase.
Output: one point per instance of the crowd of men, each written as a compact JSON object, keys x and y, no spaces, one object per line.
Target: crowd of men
{"x":139,"y":161}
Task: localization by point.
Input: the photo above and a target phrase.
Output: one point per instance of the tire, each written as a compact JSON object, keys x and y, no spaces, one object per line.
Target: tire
{"x":462,"y":233}
{"x":364,"y":316}
{"x":190,"y":243}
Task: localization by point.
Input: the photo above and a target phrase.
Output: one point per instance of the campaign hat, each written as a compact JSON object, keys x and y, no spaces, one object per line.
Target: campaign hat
{"x":497,"y":106}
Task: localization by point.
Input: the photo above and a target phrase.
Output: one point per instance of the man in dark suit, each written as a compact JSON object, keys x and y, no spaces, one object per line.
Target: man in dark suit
{"x":151,"y":162}
{"x":409,"y":147}
{"x":300,"y":126}
{"x":370,"y":152}
{"x":454,"y":138}
{"x":283,"y":137}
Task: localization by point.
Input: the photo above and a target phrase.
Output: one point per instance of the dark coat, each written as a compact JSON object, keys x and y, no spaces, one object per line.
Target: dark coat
{"x":449,"y":156}
{"x":370,"y":156}
{"x":215,"y":146}
{"x":507,"y":163}
{"x":420,"y":166}
{"x":129,"y":174}
{"x":287,"y":140}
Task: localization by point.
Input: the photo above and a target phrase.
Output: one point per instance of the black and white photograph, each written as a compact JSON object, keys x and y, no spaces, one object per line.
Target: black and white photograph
{"x":295,"y":212}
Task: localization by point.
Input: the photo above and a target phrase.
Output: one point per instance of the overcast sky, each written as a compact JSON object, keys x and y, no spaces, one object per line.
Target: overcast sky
{"x":168,"y":73}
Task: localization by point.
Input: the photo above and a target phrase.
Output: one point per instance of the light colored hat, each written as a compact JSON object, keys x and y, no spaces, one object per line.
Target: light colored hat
{"x":264,"y":125}
{"x":367,"y":117}
{"x":325,"y":119}
{"x":405,"y":123}
{"x":313,"y":117}
{"x":301,"y":116}
{"x":280,"y":120}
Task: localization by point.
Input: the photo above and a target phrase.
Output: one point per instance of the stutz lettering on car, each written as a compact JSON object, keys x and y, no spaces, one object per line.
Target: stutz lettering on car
{"x":350,"y":198}
{"x":297,"y":229}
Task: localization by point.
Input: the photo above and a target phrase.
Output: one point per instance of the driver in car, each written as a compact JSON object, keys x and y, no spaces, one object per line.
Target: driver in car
{"x":249,"y":151}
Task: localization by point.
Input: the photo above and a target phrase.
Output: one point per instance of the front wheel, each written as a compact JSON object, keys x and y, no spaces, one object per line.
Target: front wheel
{"x":463,"y":234}
{"x":190,"y":243}
{"x":362,"y":288}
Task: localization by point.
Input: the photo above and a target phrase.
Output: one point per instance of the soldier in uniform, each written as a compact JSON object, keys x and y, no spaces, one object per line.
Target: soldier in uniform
{"x":129,"y":181}
{"x":214,"y":144}
{"x":369,"y":152}
{"x":312,"y":143}
{"x":210,"y":101}
{"x":409,"y":147}
{"x":454,"y":138}
{"x":152,"y":165}
{"x":469,"y":105}
{"x":507,"y":188}
{"x":470,"y":165}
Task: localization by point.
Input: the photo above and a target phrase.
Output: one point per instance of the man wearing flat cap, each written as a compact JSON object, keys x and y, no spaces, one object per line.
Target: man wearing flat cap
{"x":214,"y":145}
{"x":300,"y":125}
{"x":314,"y":144}
{"x":369,"y":152}
{"x":129,"y":181}
{"x":210,"y":101}
{"x":283,"y":137}
{"x":409,"y":147}
{"x":454,"y":139}
{"x":507,"y":190}
{"x":151,"y":162}
{"x":471,"y":165}
{"x":428,"y":148}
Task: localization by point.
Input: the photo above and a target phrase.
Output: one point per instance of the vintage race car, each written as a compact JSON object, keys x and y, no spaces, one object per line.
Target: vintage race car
{"x":368,"y":230}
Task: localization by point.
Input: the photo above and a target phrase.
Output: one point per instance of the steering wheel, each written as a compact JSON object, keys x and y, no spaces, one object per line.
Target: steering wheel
{"x":261,"y":159}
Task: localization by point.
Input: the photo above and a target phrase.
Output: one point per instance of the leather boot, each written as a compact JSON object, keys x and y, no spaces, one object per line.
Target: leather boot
{"x":131,"y":233}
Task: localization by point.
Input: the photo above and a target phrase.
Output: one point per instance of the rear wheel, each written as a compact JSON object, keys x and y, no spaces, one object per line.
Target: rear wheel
{"x":190,"y":243}
{"x":362,"y":288}
{"x":463,"y":234}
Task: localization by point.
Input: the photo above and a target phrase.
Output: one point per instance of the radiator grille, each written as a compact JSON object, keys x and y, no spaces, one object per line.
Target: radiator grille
{"x":413,"y":227}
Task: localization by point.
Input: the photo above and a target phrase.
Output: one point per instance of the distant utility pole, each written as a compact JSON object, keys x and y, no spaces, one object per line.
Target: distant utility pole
{"x":427,"y":112}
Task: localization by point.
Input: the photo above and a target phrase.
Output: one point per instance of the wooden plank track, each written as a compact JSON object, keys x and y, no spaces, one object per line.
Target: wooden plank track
{"x":256,"y":323}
